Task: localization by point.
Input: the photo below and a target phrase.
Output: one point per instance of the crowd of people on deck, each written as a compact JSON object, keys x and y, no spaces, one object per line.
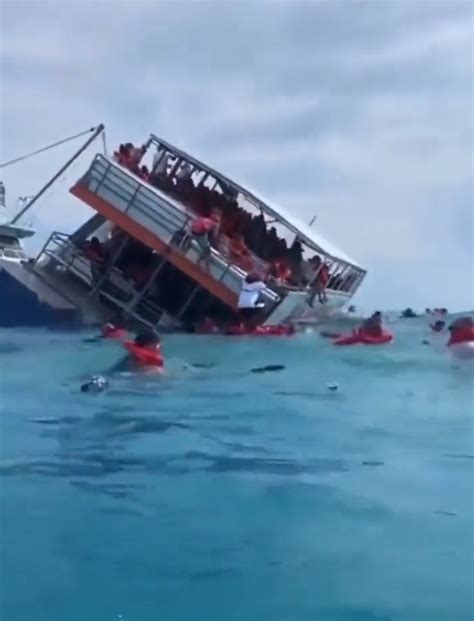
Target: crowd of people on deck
{"x":238,"y":235}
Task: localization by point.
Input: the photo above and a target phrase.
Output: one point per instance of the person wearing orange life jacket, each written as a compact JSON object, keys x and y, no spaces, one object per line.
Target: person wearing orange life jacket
{"x":145,"y":350}
{"x":135,"y":156}
{"x":280,"y":271}
{"x":97,"y":255}
{"x":320,"y":281}
{"x":239,"y":253}
{"x":206,"y":232}
{"x":372,"y":326}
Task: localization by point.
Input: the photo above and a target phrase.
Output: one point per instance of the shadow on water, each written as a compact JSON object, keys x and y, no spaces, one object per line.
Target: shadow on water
{"x":100,"y":464}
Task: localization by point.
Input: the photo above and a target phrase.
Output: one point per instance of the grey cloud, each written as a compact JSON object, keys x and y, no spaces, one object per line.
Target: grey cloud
{"x":361,"y":111}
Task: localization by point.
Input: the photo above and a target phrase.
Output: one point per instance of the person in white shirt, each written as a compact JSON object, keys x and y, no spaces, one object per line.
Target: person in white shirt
{"x":248,"y":304}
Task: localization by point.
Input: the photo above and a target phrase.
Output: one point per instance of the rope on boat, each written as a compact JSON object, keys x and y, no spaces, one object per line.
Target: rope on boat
{"x":51,"y":146}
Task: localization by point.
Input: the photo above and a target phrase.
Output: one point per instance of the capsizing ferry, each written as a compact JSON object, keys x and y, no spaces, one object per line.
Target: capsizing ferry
{"x":137,"y":259}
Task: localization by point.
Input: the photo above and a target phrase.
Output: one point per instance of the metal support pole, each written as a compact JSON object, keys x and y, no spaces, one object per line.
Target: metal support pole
{"x":174,"y":169}
{"x":158,"y":161}
{"x":108,"y":268}
{"x":99,"y":130}
{"x":132,"y":198}
{"x":46,"y":244}
{"x":341,"y":277}
{"x":188,"y":301}
{"x":104,"y":175}
{"x":137,"y":299}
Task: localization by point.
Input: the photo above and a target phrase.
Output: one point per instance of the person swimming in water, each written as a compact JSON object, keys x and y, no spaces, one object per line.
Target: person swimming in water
{"x":372,"y":326}
{"x":148,"y":339}
{"x":145,"y":350}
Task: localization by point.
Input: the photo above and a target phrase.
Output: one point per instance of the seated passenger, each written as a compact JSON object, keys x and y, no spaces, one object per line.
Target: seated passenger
{"x":122,"y":156}
{"x":280,"y":271}
{"x":185,"y":171}
{"x":135,"y":157}
{"x":239,"y":253}
{"x":372,"y":326}
{"x":144,"y":173}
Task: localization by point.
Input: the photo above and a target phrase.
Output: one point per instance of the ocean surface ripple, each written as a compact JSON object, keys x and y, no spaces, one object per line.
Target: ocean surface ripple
{"x":213,"y":493}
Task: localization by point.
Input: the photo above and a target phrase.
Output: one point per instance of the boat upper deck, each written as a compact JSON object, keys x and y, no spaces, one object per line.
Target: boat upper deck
{"x":248,"y":199}
{"x":154,"y":192}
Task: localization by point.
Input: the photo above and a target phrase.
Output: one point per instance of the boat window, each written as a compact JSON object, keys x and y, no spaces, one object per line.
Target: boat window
{"x":11,"y":254}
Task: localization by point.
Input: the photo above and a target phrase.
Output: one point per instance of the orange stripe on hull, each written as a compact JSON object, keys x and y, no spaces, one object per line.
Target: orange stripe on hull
{"x":138,"y":231}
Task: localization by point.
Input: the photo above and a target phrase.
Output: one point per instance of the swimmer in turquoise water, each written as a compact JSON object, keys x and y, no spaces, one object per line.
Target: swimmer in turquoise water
{"x":372,"y":326}
{"x":145,"y":350}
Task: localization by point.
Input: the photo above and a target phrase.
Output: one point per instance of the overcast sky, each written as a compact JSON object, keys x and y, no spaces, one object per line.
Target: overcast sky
{"x":359,"y":112}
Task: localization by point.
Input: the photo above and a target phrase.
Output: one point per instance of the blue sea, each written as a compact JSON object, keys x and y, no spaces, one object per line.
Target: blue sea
{"x":215,"y":494}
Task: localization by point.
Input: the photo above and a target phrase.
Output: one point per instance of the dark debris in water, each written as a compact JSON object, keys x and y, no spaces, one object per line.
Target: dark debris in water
{"x":9,"y":348}
{"x":372,"y":462}
{"x":63,"y":420}
{"x":112,"y":490}
{"x":459,"y":456}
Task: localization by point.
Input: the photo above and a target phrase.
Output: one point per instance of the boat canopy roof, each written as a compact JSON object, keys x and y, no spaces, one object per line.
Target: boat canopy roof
{"x":305,"y":234}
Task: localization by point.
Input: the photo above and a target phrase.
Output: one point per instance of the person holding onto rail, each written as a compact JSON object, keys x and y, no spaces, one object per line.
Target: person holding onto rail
{"x":249,"y":305}
{"x":206,"y":233}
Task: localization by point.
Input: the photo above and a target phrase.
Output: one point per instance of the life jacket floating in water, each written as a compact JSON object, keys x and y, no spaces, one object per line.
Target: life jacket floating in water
{"x":109,"y":331}
{"x":144,"y":356}
{"x":461,"y":342}
{"x":463,"y":334}
{"x":358,"y":337}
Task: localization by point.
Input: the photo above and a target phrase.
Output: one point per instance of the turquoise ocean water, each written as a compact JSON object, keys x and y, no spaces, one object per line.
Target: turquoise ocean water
{"x":217,"y":494}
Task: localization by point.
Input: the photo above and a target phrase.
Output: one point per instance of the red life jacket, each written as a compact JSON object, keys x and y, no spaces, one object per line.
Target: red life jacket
{"x":463,"y":334}
{"x":144,"y":356}
{"x":323,"y":276}
{"x":109,"y":331}
{"x":201,"y":226}
{"x":93,"y":255}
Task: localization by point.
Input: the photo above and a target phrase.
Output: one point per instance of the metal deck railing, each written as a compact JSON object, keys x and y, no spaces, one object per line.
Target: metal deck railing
{"x":161,"y":215}
{"x":115,"y":289}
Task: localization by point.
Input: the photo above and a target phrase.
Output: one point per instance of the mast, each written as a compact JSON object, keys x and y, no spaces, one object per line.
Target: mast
{"x":98,"y":130}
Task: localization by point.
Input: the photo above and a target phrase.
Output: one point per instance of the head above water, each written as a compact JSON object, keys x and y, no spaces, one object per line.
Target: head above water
{"x":147,"y":338}
{"x":377,"y":317}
